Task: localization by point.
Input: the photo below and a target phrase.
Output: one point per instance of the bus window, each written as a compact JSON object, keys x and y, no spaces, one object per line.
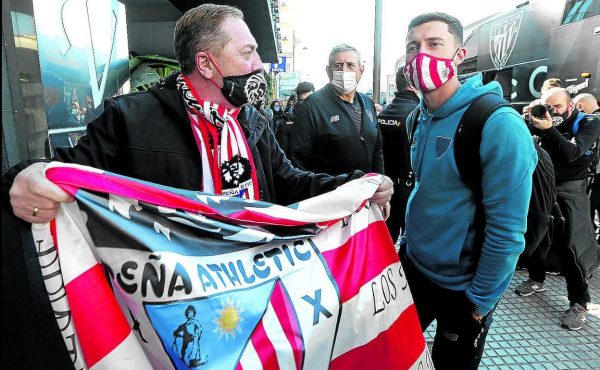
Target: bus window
{"x":577,"y":10}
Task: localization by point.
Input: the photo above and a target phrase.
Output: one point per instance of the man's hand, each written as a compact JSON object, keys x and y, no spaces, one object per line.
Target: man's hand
{"x":34,"y":198}
{"x":385,"y":210}
{"x":384,"y":192}
{"x":477,"y":316}
{"x":542,"y":123}
{"x":526,"y":113}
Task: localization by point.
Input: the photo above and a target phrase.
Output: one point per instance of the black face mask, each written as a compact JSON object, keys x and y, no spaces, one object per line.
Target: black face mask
{"x":558,"y":119}
{"x":249,"y":88}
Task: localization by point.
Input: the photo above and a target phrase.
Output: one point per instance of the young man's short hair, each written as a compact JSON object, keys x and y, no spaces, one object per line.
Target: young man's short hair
{"x":454,"y":26}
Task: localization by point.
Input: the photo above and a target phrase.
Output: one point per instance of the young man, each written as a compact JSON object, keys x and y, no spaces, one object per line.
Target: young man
{"x":454,"y":276}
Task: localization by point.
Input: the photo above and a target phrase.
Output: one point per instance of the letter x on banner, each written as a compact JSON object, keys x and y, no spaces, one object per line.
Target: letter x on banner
{"x":145,"y":276}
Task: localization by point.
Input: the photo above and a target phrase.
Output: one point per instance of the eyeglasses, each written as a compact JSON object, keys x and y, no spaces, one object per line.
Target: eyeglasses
{"x":340,"y":66}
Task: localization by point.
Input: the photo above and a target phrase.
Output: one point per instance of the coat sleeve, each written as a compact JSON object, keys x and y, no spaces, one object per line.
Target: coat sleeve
{"x":508,"y":160}
{"x":100,"y":147}
{"x":302,"y":137}
{"x":589,"y":130}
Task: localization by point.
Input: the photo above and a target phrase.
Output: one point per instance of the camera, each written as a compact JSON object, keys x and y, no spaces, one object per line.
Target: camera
{"x":539,"y":111}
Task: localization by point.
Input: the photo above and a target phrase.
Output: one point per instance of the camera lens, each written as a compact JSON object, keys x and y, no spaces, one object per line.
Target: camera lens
{"x":539,"y":111}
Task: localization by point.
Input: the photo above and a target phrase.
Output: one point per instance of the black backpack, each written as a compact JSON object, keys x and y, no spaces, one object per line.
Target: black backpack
{"x":544,"y":214}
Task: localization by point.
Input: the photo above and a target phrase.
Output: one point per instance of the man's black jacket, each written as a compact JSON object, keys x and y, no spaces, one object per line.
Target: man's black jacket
{"x":324,"y":137}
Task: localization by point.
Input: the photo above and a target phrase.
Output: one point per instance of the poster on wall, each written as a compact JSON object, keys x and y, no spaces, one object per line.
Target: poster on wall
{"x":84,"y":59}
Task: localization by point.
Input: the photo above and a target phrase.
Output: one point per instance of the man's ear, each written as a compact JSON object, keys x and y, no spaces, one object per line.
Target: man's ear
{"x":203,"y":65}
{"x":461,"y":55}
{"x":329,"y":73}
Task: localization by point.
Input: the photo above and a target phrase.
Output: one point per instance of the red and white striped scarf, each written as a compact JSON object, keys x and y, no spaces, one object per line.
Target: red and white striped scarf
{"x":227,"y":164}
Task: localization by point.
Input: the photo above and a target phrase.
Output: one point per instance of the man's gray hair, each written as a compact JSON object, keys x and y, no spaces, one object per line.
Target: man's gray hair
{"x":342,"y":48}
{"x":200,"y":29}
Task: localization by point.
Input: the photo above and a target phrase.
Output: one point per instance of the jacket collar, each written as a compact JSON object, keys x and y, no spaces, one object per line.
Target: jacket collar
{"x":166,"y":92}
{"x":406,"y":94}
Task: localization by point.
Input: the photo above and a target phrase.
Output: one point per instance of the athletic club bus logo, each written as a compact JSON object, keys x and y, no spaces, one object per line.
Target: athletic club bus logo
{"x":503,"y":37}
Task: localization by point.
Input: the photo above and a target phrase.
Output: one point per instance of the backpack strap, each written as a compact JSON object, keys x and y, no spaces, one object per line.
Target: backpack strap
{"x":575,"y":127}
{"x":467,"y":142}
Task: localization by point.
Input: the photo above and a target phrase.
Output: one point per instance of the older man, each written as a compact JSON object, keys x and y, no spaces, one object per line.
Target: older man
{"x":568,"y":135}
{"x":336,"y":129}
{"x":171,"y":134}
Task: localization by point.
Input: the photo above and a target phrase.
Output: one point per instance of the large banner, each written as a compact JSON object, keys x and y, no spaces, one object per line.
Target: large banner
{"x":143,"y":276}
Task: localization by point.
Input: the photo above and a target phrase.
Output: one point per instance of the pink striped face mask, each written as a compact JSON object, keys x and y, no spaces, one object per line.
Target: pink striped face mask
{"x":426,"y":72}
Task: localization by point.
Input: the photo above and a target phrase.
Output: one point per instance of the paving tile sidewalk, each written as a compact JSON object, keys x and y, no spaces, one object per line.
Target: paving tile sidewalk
{"x":526,"y":332}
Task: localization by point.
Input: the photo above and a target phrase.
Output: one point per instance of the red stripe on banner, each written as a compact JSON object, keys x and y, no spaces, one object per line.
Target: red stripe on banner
{"x":285,"y":314}
{"x":264,"y":348}
{"x":397,"y":348}
{"x":107,"y":183}
{"x":434,"y":73}
{"x":364,"y":256}
{"x":251,"y":217}
{"x":99,"y":321}
{"x":239,"y":366}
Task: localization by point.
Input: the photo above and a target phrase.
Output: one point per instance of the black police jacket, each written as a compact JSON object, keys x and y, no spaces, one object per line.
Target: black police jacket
{"x":148,"y":136}
{"x":324,"y":137}
{"x":392,"y":122}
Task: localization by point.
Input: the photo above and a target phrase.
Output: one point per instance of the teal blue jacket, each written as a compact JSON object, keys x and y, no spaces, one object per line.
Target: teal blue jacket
{"x":440,"y":228}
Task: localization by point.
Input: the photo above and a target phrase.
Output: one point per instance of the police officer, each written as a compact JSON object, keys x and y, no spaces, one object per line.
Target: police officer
{"x":396,"y":150}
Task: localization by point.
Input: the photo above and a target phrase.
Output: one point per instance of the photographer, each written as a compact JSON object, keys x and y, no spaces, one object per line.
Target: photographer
{"x":568,"y":136}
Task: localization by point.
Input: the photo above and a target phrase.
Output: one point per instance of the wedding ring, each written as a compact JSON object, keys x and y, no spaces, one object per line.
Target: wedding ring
{"x":35,"y":211}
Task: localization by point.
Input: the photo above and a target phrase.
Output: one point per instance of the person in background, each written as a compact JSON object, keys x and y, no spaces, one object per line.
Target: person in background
{"x":289,"y":106}
{"x":586,"y":103}
{"x":396,"y":150}
{"x":76,"y":111}
{"x":336,"y":129}
{"x":286,"y":122}
{"x":458,"y":264}
{"x":550,"y":83}
{"x":571,"y":155}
